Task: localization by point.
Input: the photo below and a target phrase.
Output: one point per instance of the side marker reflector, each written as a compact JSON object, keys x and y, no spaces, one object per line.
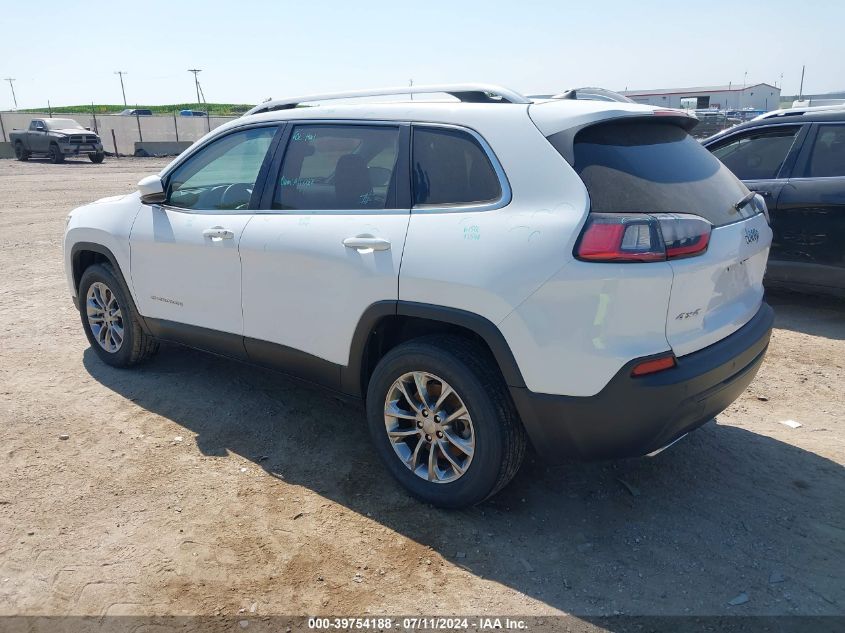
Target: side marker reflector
{"x":654,"y":365}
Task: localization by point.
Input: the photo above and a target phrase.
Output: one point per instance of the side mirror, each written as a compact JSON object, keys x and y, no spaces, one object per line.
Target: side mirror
{"x":152,"y":190}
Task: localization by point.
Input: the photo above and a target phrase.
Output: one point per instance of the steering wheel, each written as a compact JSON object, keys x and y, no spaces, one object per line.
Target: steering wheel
{"x":233,"y":196}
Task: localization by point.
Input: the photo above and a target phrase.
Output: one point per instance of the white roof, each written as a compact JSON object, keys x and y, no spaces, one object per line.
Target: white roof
{"x":561,"y":110}
{"x":474,"y":93}
{"x":466,"y":103}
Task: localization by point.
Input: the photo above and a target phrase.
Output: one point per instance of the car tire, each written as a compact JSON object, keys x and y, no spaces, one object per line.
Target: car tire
{"x":20,"y":153}
{"x":491,"y":426}
{"x":56,"y":155}
{"x":96,"y":157}
{"x":110,"y":319}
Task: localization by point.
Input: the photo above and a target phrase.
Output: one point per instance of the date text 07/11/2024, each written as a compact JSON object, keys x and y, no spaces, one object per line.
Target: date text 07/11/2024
{"x":415,"y":623}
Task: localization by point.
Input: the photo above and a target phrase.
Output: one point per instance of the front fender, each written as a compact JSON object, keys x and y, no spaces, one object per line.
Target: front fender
{"x":104,"y":227}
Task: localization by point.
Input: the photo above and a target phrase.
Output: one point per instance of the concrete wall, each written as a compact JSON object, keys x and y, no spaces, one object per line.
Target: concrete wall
{"x":126,"y":128}
{"x":160,"y":148}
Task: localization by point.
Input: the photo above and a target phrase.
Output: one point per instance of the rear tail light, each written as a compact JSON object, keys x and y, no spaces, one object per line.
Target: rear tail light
{"x":642,"y":237}
{"x":684,"y":235}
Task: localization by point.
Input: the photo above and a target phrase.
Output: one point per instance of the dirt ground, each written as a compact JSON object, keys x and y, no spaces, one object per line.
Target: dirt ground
{"x":197,"y":485}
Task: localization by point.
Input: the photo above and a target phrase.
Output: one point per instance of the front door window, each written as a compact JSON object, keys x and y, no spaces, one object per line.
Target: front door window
{"x":222,"y":175}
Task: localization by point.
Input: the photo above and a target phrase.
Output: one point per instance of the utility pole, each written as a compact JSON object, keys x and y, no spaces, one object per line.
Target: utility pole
{"x":122,"y":89}
{"x":205,"y":103}
{"x":411,"y":85}
{"x":11,"y":81}
{"x":801,"y":89}
{"x":196,"y":82}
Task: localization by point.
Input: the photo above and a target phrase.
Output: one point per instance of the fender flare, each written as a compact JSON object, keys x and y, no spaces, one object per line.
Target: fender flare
{"x":78,"y":248}
{"x":351,"y":375}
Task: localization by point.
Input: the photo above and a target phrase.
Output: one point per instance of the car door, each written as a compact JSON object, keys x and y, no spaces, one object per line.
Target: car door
{"x":811,"y":212}
{"x":38,"y":140}
{"x":329,"y":247}
{"x":762,"y":158}
{"x":185,"y":266}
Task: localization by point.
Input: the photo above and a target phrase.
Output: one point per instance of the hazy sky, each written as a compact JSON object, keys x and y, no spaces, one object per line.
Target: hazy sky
{"x":67,"y":51}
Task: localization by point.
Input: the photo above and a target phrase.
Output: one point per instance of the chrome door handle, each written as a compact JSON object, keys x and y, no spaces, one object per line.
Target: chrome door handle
{"x":218,"y":233}
{"x":367,"y":243}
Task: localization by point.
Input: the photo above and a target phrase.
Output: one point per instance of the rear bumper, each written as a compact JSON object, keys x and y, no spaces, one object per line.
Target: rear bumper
{"x":636,"y":416}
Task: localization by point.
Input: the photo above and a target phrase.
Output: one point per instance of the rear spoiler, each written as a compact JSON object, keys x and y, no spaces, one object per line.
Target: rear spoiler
{"x":566,"y":138}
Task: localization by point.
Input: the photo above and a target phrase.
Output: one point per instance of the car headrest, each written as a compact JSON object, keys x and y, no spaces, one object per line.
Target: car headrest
{"x":352,"y":181}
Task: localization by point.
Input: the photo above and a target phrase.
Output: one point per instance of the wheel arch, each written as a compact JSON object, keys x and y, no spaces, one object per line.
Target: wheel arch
{"x":84,"y":255}
{"x":386,"y":324}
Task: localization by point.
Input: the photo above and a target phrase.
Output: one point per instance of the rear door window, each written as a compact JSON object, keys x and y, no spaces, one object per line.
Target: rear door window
{"x":653,"y":167}
{"x":757,"y":155}
{"x":341,"y":167}
{"x":451,"y":168}
{"x":827,"y":158}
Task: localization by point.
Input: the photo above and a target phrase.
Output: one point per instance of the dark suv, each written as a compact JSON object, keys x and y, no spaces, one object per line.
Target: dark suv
{"x":796,"y":161}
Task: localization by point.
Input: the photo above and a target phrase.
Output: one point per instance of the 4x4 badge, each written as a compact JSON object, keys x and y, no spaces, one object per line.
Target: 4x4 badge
{"x":687,"y":315}
{"x":751,"y":235}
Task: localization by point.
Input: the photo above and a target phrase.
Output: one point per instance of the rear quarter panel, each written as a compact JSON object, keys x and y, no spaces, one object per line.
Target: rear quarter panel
{"x":488,"y":262}
{"x":575,"y":333}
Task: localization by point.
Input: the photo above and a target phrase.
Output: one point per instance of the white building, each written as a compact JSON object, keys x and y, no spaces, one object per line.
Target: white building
{"x":759,"y":97}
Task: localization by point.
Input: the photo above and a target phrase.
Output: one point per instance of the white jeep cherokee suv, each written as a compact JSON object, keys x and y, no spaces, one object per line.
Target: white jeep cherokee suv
{"x":482,"y":271}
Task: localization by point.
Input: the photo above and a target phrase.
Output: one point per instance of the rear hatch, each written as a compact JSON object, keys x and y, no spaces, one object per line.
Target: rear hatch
{"x":651,"y":165}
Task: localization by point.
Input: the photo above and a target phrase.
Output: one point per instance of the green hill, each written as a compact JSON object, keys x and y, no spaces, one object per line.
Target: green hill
{"x":220,"y":109}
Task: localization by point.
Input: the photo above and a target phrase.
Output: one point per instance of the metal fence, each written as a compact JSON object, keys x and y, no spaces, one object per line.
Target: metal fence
{"x":120,"y":133}
{"x":708,"y":125}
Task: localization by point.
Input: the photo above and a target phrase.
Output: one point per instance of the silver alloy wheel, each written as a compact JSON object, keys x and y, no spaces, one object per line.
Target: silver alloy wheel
{"x":105,"y":317}
{"x":429,"y":427}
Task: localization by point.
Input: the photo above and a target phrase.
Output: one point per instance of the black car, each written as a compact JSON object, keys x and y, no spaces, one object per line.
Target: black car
{"x":796,"y":161}
{"x":136,"y":112}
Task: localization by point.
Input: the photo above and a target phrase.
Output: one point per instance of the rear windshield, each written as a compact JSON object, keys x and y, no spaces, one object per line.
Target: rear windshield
{"x":654,"y":167}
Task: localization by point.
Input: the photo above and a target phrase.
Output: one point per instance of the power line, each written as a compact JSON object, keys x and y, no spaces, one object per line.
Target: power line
{"x":122,"y":89}
{"x":196,"y":82}
{"x":11,"y":81}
